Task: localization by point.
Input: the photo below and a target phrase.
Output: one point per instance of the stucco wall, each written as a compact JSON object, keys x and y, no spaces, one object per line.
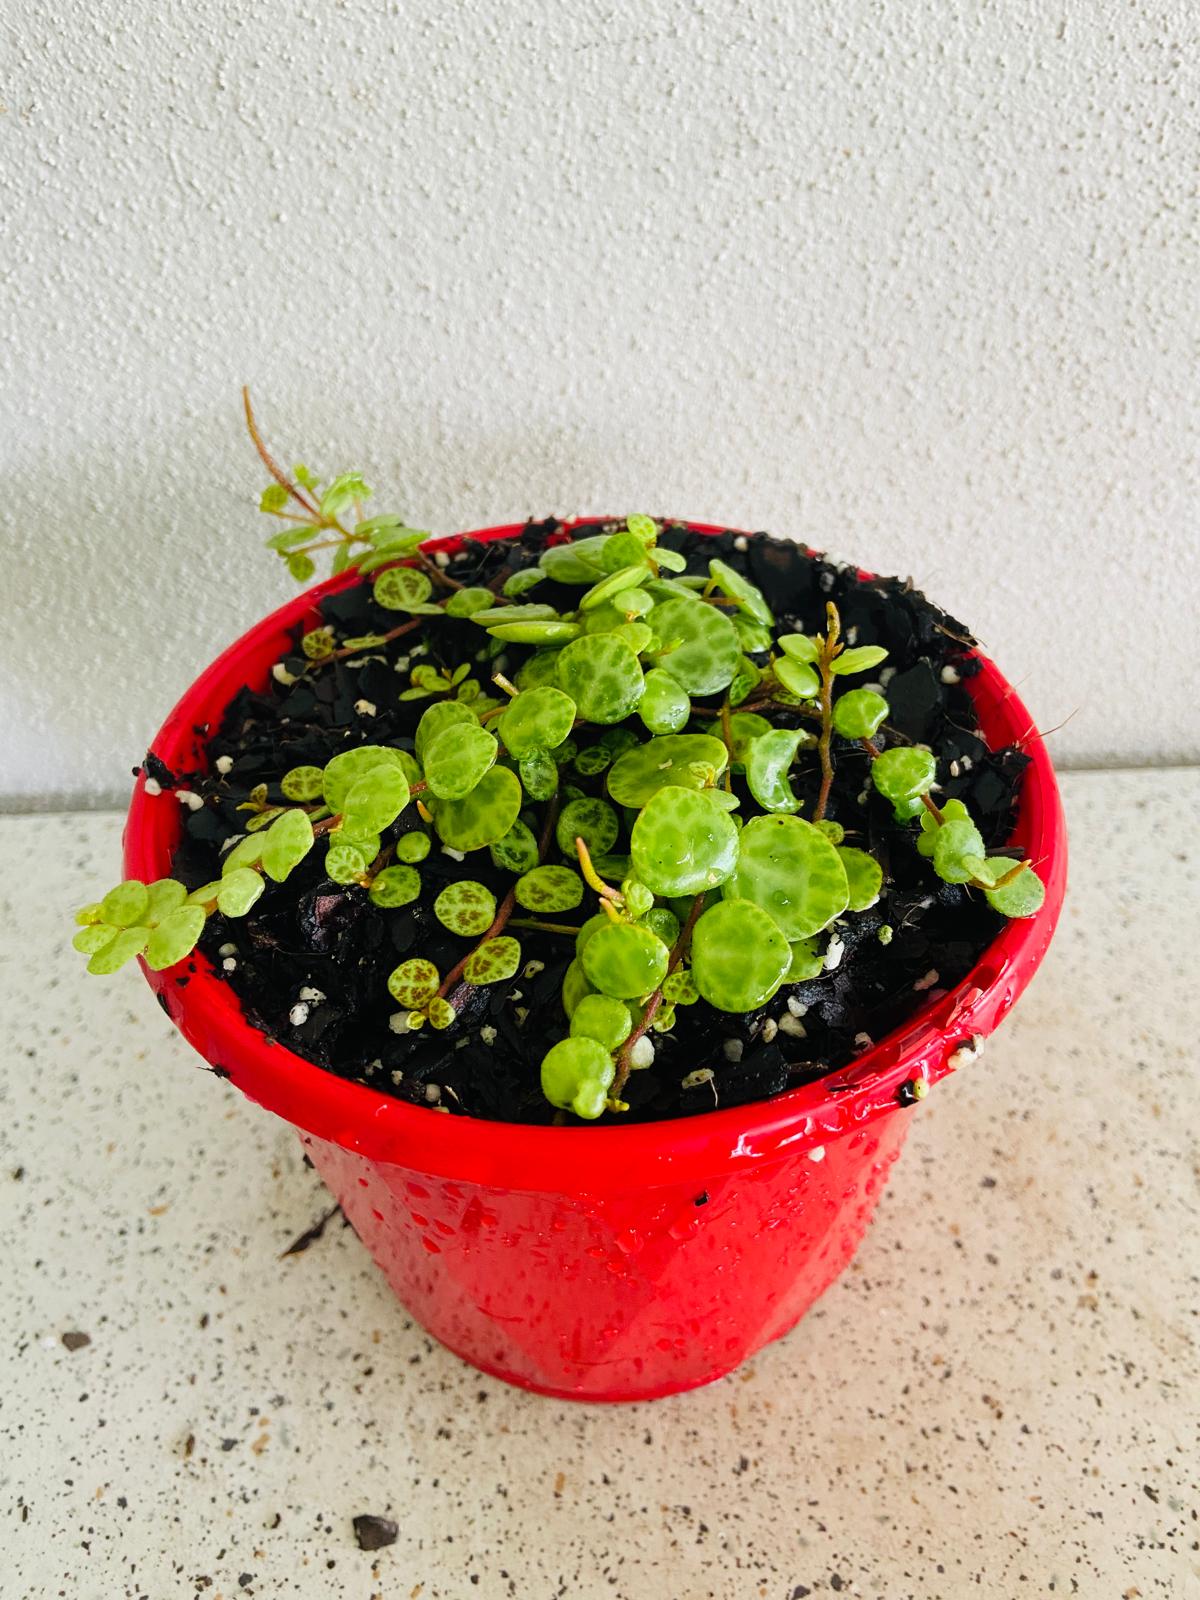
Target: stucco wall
{"x":913,"y":282}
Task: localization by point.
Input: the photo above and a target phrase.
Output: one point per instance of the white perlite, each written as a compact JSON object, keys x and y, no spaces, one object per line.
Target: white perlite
{"x":695,"y":1079}
{"x":366,"y":708}
{"x":769,"y":1029}
{"x":834,"y":952}
{"x":152,"y":786}
{"x":795,"y":1007}
{"x":950,"y":675}
{"x":229,"y":964}
{"x":642,"y":1054}
{"x":187,"y":798}
{"x":741,"y":542}
{"x":313,"y":996}
{"x":455,"y":855}
{"x":532,"y":968}
{"x":966,"y":1053}
{"x":227,"y":950}
{"x":398,"y":1022}
{"x":281,"y":675}
{"x":432,"y":1093}
{"x":732,"y":1049}
{"x":298,"y":1014}
{"x":224,"y":765}
{"x":442,"y":559}
{"x":792,"y":1026}
{"x":487,"y":1033}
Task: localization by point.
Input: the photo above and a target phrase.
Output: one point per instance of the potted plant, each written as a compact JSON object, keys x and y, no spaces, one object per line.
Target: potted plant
{"x":594,"y":898}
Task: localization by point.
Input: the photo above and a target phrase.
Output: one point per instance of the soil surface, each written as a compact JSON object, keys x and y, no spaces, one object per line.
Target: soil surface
{"x":314,"y":935}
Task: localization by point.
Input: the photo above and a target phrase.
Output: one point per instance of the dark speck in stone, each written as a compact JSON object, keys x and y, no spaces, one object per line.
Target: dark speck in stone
{"x":228,"y":1444}
{"x":373,"y":1533}
{"x":76,"y":1341}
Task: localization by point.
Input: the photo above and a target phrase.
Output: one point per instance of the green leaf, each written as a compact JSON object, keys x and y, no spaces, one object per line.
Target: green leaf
{"x":593,"y":821}
{"x":548,"y":632}
{"x":644,"y":529}
{"x":600,"y":1017}
{"x":574,"y":563}
{"x":88,"y":914}
{"x":401,"y":588}
{"x":904,"y":773}
{"x":576,"y":1076}
{"x":750,"y":600}
{"x":833,"y":831}
{"x":483,"y":816}
{"x":494,"y":961}
{"x":603,"y":676}
{"x":638,"y":899}
{"x":539,"y":775}
{"x":440,"y":1013}
{"x":289,"y":839}
{"x":165,"y":895}
{"x":767,"y":762}
{"x":301,"y":566}
{"x":662,"y":921}
{"x":537,"y":719}
{"x":344,"y":771}
{"x":746,"y":678}
{"x":611,"y":586}
{"x":683,"y":843}
{"x":466,"y":907}
{"x":625,"y":960}
{"x":547,"y":889}
{"x":955,"y":846}
{"x":800,"y":647}
{"x":437,"y":718}
{"x":744,"y":728}
{"x":395,"y":886}
{"x":122,"y":947}
{"x":239,"y":891}
{"x":288,"y":538}
{"x":466,"y":602}
{"x":679,"y":988}
{"x":343,"y":491}
{"x":864,"y":876}
{"x":302,"y":784}
{"x":519,"y":583}
{"x":175,"y":937}
{"x":807,"y":962}
{"x":318,"y":643}
{"x":624,"y":550}
{"x":412,"y":846}
{"x":798,"y":677}
{"x":860,"y":659}
{"x":413,"y":984}
{"x":575,"y":986}
{"x":752,"y":636}
{"x":1021,"y":896}
{"x":790,"y":869}
{"x":859,"y":714}
{"x":96,"y":936}
{"x":591,"y":927}
{"x":273,"y":498}
{"x":664,"y":707}
{"x":682,"y":760}
{"x":517,"y":851}
{"x":345,"y":863}
{"x":672,"y":560}
{"x":205,"y":895}
{"x":739,"y":956}
{"x":696,"y":644}
{"x":457,"y":759}
{"x":126,"y":905}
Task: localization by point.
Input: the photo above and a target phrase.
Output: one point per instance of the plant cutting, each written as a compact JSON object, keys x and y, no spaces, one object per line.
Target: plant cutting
{"x":624,"y":824}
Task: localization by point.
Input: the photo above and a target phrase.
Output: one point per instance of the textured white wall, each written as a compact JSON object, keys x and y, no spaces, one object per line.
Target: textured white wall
{"x":915,"y":282}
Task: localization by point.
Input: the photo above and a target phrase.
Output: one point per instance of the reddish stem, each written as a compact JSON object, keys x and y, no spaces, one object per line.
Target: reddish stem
{"x":269,"y":461}
{"x":624,"y":1064}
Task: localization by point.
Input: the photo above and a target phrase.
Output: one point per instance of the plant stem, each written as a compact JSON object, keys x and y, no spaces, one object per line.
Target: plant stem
{"x":384,"y":638}
{"x":508,"y":904}
{"x":624,"y":1064}
{"x":269,"y":461}
{"x":829,"y":649}
{"x":542,"y":927}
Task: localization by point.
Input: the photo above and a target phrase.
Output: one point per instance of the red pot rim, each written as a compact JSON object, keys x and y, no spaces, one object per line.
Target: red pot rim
{"x":575,"y":1159}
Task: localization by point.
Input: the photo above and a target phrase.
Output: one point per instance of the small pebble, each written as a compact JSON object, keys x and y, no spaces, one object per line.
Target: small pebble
{"x":313,"y":996}
{"x":366,"y":708}
{"x":442,"y":558}
{"x":950,"y":675}
{"x":432,"y":1093}
{"x":732,"y":1049}
{"x":833,"y":954}
{"x":76,"y":1341}
{"x":966,"y":1053}
{"x":927,"y":982}
{"x":192,"y":801}
{"x":532,"y":968}
{"x":229,"y":964}
{"x":298,"y":1015}
{"x":398,"y":1022}
{"x":152,"y":786}
{"x":375,"y":1533}
{"x":795,"y":1007}
{"x":224,"y":765}
{"x":741,"y":542}
{"x":792,"y":1026}
{"x":227,"y":950}
{"x":769,"y":1029}
{"x":455,"y":855}
{"x":642,"y":1053}
{"x":863,"y":1041}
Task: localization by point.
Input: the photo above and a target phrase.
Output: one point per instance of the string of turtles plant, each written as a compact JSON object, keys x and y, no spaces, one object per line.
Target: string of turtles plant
{"x":665,"y":681}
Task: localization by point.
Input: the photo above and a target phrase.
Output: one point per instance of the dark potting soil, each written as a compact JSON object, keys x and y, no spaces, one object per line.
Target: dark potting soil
{"x":315,"y":935}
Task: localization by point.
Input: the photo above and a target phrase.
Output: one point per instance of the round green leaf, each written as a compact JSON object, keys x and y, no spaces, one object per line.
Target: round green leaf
{"x":685,"y":760}
{"x":302,"y":783}
{"x":576,"y":562}
{"x":345,"y":863}
{"x":457,"y":759}
{"x":122,"y":947}
{"x":591,"y":926}
{"x":767,"y":763}
{"x":679,"y":988}
{"x":859,"y":659}
{"x":644,"y":529}
{"x":519,"y":583}
{"x":859,"y":713}
{"x":537,"y":719}
{"x":800,"y":647}
{"x":864,"y":877}
{"x":517,"y":851}
{"x":696,"y":644}
{"x":576,"y":1076}
{"x":239,"y":891}
{"x":401,"y":588}
{"x":797,"y":677}
{"x":412,"y":846}
{"x":663,"y":921}
{"x":744,"y":727}
{"x":96,"y":935}
{"x":622,"y":550}
{"x":413,"y":984}
{"x":440,"y":1012}
{"x":466,"y":907}
{"x":750,"y":600}
{"x":600,"y":1017}
{"x":664,"y":708}
{"x":956,"y":845}
{"x":395,"y":886}
{"x":166,"y":895}
{"x":346,"y":769}
{"x":789,"y":869}
{"x":683,"y":843}
{"x":903,"y":774}
{"x":483,"y":816}
{"x":625,"y":960}
{"x":593,"y":821}
{"x":609,"y":587}
{"x":539,"y":775}
{"x":290,"y":837}
{"x":466,"y":602}
{"x":175,"y":937}
{"x":125,"y":906}
{"x":494,"y":961}
{"x":374,"y":801}
{"x":752,"y":636}
{"x":1021,"y":896}
{"x":638,"y":899}
{"x":318,"y":643}
{"x":437,"y":718}
{"x":807,"y":962}
{"x":575,"y":986}
{"x":739,"y":956}
{"x":545,"y":889}
{"x":603,"y":676}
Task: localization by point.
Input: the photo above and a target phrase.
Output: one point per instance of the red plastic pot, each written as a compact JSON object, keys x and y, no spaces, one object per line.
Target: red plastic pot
{"x":601,"y":1263}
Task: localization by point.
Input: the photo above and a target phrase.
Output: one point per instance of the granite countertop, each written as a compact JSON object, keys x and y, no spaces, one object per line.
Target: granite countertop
{"x":999,"y":1398}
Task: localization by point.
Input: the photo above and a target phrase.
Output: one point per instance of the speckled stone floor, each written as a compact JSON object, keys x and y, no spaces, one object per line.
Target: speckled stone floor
{"x":1000,"y":1398}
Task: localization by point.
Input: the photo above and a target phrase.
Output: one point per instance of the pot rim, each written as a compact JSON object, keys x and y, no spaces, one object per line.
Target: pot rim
{"x":517,"y":1156}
